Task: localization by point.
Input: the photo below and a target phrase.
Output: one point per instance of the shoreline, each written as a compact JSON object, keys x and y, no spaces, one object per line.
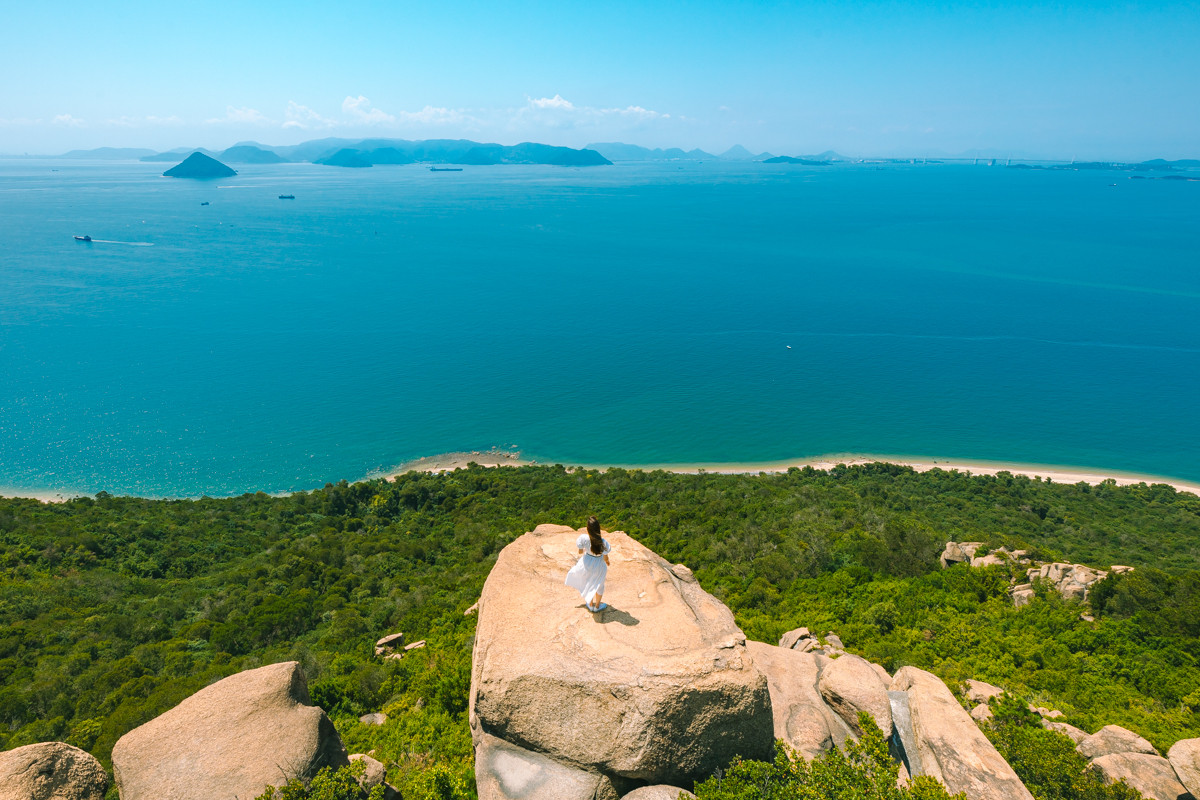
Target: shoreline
{"x":494,"y":458}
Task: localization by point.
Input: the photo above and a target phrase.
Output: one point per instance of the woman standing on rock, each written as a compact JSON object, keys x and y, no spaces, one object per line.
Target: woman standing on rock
{"x":587,"y":576}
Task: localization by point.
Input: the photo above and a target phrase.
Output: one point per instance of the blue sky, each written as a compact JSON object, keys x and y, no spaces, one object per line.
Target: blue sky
{"x":1064,"y":80}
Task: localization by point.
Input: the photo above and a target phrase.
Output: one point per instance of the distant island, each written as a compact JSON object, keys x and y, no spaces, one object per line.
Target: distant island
{"x":198,"y":165}
{"x":812,"y":162}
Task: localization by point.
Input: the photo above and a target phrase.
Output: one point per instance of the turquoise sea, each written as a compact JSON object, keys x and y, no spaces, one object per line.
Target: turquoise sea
{"x":634,"y":314}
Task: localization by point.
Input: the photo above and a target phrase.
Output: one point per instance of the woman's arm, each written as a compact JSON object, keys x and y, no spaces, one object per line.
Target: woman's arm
{"x":607,"y":563}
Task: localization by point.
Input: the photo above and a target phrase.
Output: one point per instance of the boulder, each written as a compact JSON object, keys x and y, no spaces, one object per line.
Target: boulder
{"x":373,"y":719}
{"x":949,"y":745}
{"x":51,"y":771}
{"x":658,"y":688}
{"x":883,"y":674}
{"x":1070,"y":731}
{"x":997,"y":559}
{"x":233,"y":739}
{"x":833,"y":640}
{"x":980,"y":692}
{"x":1113,"y":739}
{"x":389,"y":643}
{"x":981,"y":712}
{"x":791,"y":638}
{"x":800,"y":716}
{"x":1046,"y":713}
{"x":506,"y":772}
{"x":374,"y":774}
{"x":1120,"y":569}
{"x":659,"y":792}
{"x":849,"y":685}
{"x":1151,"y":775}
{"x":1184,"y":756}
{"x":1022,"y":596}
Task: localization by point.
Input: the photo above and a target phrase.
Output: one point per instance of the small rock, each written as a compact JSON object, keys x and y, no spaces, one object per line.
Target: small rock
{"x":981,"y":712}
{"x":474,"y":609}
{"x":389,"y":643}
{"x":1120,"y":570}
{"x":373,"y":719}
{"x":1022,"y":597}
{"x":1075,"y":734}
{"x":1114,"y":739}
{"x":51,"y":771}
{"x":1184,"y":756}
{"x":374,"y":773}
{"x":833,"y":640}
{"x":414,"y":646}
{"x":1151,"y":775}
{"x":789,"y":639}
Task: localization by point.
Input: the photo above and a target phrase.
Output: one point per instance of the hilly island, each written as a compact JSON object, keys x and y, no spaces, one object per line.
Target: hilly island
{"x":867,"y":631}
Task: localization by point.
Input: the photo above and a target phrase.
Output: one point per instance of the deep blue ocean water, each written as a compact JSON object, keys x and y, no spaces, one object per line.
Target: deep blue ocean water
{"x":632,"y":314}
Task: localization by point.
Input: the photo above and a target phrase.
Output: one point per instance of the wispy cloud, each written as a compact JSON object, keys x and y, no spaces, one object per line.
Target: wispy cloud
{"x":305,"y":118}
{"x":556,"y":102}
{"x":240,"y":116}
{"x":431,"y":115}
{"x":360,"y":110}
{"x":67,"y":119}
{"x":559,"y":112}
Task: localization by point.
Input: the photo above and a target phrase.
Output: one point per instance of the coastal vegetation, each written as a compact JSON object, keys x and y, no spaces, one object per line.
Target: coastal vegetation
{"x":114,"y":609}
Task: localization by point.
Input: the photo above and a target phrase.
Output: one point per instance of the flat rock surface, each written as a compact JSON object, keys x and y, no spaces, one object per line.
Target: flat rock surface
{"x":51,"y":771}
{"x":658,"y":792}
{"x":1184,"y":756}
{"x":658,"y":688}
{"x":796,"y":705}
{"x":1151,"y":775}
{"x":1113,"y":739}
{"x":233,"y":739}
{"x":950,"y":746}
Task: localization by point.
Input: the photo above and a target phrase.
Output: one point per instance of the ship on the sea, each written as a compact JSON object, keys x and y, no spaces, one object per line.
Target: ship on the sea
{"x":445,"y":169}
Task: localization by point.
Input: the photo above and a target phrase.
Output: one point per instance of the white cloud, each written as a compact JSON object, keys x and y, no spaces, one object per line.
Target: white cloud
{"x":430,"y":115}
{"x":360,"y":108}
{"x":240,"y":116}
{"x":557,"y":102}
{"x":305,"y":118}
{"x":635,"y":111}
{"x":67,"y":119}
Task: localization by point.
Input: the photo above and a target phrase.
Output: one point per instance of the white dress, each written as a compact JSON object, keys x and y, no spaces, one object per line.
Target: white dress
{"x":587,"y":576}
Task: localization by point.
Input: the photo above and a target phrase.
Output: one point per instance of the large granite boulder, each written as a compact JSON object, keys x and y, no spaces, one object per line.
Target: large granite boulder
{"x":849,"y":684}
{"x":980,"y":692}
{"x":1070,"y":731}
{"x":504,"y":771}
{"x":1184,"y":756}
{"x":51,"y":771}
{"x":801,"y":718}
{"x":949,"y":745}
{"x":232,"y":739}
{"x":658,"y":688}
{"x":1151,"y":775}
{"x":1113,"y":739}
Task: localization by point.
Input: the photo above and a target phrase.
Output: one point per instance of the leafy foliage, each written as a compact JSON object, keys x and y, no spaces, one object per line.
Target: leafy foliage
{"x":114,"y":609}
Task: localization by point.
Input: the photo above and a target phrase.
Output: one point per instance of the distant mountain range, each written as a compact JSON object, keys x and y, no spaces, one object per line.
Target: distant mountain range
{"x":369,"y":152}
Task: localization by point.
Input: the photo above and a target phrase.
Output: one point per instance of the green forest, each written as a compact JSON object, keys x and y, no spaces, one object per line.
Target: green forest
{"x":114,"y":609}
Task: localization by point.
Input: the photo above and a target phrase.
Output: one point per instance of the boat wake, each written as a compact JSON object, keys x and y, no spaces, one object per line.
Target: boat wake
{"x":130,"y":244}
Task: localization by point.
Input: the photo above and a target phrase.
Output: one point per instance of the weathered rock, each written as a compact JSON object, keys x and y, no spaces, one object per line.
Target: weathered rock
{"x":374,"y":774}
{"x":1120,"y":569}
{"x":980,"y":692}
{"x":883,"y":674}
{"x":800,"y":716}
{"x":506,"y":772}
{"x":1047,"y":713}
{"x":373,"y":719}
{"x":1151,"y":775}
{"x":990,"y":560}
{"x":949,"y":745}
{"x":659,"y":792}
{"x":414,"y":646}
{"x":472,"y":610}
{"x":1184,"y":756}
{"x":1022,"y":596}
{"x":958,"y":553}
{"x":659,"y":688}
{"x":389,"y":644}
{"x":1113,"y":739}
{"x":849,"y":685}
{"x":1075,"y":734}
{"x":833,"y":640}
{"x":789,"y":639}
{"x":981,"y":712}
{"x":232,"y":739}
{"x":51,"y":771}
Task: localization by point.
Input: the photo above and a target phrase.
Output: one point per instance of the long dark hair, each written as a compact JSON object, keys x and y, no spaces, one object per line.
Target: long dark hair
{"x":593,"y":527}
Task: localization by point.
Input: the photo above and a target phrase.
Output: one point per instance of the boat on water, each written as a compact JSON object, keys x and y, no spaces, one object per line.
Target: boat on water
{"x":287,"y":197}
{"x":445,"y":169}
{"x":204,"y":203}
{"x":83,"y":238}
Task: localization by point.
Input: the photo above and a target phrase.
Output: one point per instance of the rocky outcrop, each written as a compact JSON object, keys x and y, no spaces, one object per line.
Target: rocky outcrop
{"x":1113,"y":739}
{"x":1070,"y":731}
{"x":51,"y":771}
{"x":504,"y":771}
{"x":800,"y":717}
{"x":389,"y":644}
{"x":980,"y":692}
{"x":1184,"y":756}
{"x":659,"y":792}
{"x":658,"y":688}
{"x":849,"y":685}
{"x":1151,"y":775}
{"x":232,"y":739}
{"x":949,"y":746}
{"x":1072,"y":581}
{"x":959,"y":552}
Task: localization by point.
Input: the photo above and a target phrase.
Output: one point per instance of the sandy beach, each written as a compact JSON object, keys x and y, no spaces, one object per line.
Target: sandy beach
{"x":447,"y":462}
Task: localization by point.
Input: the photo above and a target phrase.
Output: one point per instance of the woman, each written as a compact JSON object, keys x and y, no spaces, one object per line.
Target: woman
{"x":587,"y":576}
